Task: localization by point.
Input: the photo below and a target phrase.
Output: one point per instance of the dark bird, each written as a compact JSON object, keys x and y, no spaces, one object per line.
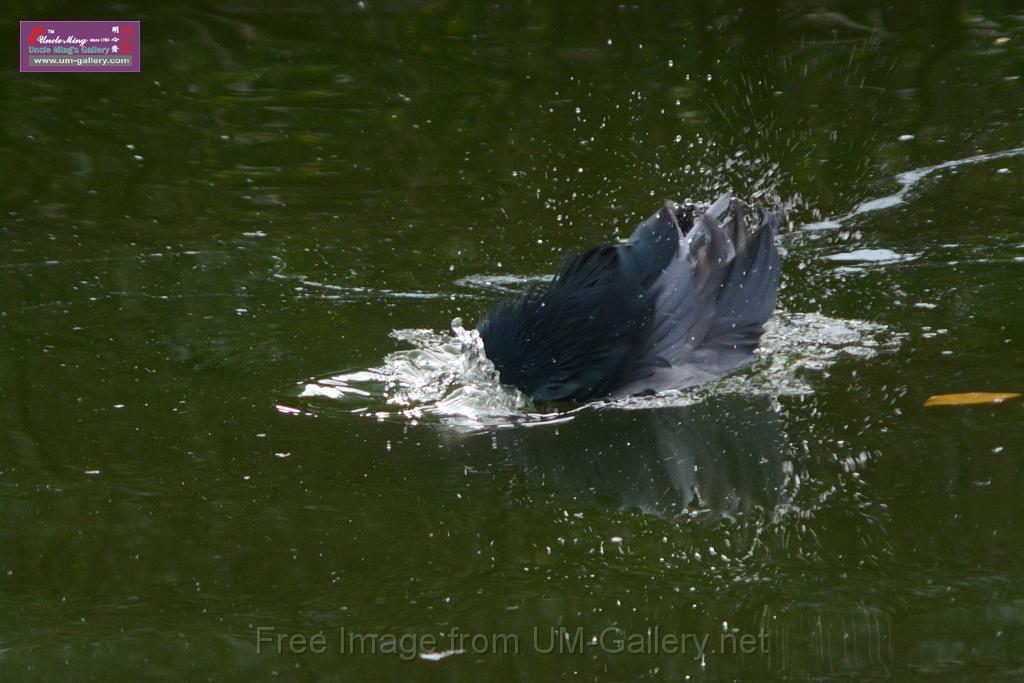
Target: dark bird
{"x":683,"y":302}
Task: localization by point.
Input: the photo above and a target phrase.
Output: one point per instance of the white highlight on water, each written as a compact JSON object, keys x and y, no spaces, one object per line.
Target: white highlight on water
{"x":871,"y":256}
{"x":907,"y":181}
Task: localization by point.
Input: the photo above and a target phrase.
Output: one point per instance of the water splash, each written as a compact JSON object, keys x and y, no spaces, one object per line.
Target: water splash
{"x":443,"y":377}
{"x":447,"y":379}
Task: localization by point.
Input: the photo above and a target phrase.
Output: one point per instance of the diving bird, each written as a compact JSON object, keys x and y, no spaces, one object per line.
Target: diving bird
{"x":683,"y":302}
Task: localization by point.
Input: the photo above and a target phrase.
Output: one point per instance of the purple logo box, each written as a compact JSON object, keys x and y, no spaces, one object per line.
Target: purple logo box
{"x":80,"y":46}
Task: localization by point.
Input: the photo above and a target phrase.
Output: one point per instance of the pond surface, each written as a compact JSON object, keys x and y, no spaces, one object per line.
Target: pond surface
{"x":232,"y":407}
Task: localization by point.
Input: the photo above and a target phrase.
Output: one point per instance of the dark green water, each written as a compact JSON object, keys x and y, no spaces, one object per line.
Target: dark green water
{"x":280,"y":189}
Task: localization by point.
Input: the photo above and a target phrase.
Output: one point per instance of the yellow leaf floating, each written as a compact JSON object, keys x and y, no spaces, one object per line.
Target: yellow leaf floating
{"x":968,"y":399}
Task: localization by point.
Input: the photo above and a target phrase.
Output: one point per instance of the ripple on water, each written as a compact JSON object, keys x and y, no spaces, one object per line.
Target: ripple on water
{"x":871,"y":256}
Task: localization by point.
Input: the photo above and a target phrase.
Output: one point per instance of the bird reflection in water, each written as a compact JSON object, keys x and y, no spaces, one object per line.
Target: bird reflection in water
{"x":722,"y":455}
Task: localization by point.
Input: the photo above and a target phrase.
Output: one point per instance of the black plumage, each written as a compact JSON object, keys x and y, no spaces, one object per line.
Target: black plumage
{"x":683,"y":302}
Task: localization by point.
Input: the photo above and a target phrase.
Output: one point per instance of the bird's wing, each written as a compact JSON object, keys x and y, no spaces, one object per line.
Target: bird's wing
{"x":711,"y":302}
